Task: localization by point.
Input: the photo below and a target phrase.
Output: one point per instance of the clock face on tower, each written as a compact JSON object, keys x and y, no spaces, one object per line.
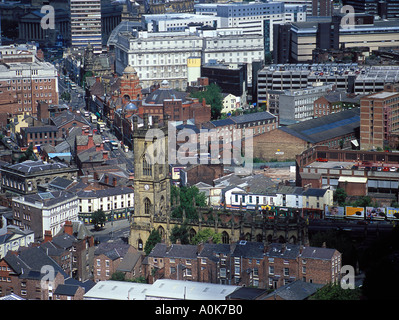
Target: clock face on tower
{"x":146,"y":187}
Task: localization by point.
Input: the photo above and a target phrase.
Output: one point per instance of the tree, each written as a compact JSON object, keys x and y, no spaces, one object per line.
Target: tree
{"x":118,"y":276}
{"x":186,"y":195}
{"x":340,"y":196}
{"x":180,"y":233}
{"x":206,"y":234}
{"x":152,"y":240}
{"x":213,"y":96}
{"x":334,"y":291}
{"x":28,"y":154}
{"x":98,"y":219}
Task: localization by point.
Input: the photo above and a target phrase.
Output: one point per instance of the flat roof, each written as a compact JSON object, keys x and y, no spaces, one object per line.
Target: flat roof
{"x":384,"y":94}
{"x":117,"y":290}
{"x":189,"y":290}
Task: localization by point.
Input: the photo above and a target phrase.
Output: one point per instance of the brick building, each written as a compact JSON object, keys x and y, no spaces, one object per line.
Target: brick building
{"x":25,"y":80}
{"x":379,"y":118}
{"x":335,"y":131}
{"x":39,"y":135}
{"x":359,"y":172}
{"x":21,"y":274}
{"x":107,"y":258}
{"x":334,"y":101}
{"x":73,"y":249}
{"x":201,"y":173}
{"x":244,"y":263}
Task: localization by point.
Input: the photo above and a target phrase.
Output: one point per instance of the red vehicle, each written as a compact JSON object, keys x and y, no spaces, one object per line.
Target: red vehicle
{"x":385,"y":169}
{"x":321,"y":160}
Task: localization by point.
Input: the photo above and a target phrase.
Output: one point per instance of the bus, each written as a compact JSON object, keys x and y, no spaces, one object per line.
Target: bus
{"x":100,"y":126}
{"x":114,"y":145}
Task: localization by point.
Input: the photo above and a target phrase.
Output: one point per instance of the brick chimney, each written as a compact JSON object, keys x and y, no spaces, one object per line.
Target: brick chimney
{"x":105,"y":155}
{"x":68,"y":228}
{"x":114,"y":182}
{"x":106,"y":179}
{"x":47,"y":236}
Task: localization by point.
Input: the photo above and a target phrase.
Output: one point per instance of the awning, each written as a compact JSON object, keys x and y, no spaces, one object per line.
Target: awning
{"x":352,"y":179}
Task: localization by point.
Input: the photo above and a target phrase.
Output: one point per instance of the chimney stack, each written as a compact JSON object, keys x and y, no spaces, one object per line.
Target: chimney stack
{"x":114,"y":182}
{"x":47,"y":236}
{"x":68,"y":228}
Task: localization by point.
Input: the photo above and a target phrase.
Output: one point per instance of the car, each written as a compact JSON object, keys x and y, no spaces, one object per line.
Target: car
{"x":392,"y":169}
{"x":321,"y":160}
{"x":373,"y":168}
{"x":338,"y":167}
{"x":379,"y":168}
{"x":385,"y":169}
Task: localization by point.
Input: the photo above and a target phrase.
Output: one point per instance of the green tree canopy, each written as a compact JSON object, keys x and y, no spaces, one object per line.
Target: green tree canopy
{"x":333,"y":291}
{"x":340,"y":196}
{"x":98,"y":219}
{"x":28,"y":154}
{"x":180,"y":233}
{"x":152,"y":240}
{"x":186,"y":196}
{"x":118,"y":276}
{"x":213,"y":96}
{"x":206,"y":234}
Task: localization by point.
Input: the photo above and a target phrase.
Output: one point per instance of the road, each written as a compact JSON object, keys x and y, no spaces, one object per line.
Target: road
{"x":118,"y":229}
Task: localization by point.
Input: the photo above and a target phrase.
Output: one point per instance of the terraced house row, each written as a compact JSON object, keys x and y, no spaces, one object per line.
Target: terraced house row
{"x":244,"y":263}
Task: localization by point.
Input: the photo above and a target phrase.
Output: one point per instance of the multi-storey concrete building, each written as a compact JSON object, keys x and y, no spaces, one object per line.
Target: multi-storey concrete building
{"x":297,"y":105}
{"x":86,"y":24}
{"x":350,"y":77}
{"x":163,"y":56}
{"x":375,"y":35}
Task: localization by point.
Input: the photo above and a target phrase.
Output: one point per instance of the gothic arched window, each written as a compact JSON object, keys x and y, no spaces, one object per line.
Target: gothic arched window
{"x":147,"y":168}
{"x":147,"y":206}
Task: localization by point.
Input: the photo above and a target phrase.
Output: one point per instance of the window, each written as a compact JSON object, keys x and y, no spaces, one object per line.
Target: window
{"x":286,"y":271}
{"x":271,"y":269}
{"x":147,"y":206}
{"x":237,"y":270}
{"x":147,"y":168}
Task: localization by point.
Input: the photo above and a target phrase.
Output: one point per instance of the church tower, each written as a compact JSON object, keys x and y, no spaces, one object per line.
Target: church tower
{"x":151,"y":178}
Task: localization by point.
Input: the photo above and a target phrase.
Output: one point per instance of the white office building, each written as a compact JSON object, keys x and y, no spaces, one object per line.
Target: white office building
{"x":162,"y":56}
{"x":254,"y":17}
{"x":171,"y":22}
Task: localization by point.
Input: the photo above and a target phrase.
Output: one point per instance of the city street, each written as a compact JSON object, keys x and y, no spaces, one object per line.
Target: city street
{"x":112,"y":230}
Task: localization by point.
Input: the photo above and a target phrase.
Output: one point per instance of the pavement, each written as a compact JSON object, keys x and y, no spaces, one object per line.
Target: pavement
{"x":117,"y":225}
